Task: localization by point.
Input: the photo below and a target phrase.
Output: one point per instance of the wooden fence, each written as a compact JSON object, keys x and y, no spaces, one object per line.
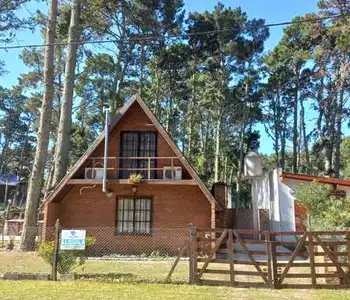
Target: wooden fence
{"x":248,"y":258}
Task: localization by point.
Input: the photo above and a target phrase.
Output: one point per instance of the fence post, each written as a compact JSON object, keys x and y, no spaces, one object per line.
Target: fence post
{"x":312,"y":259}
{"x":55,"y":254}
{"x":2,"y":236}
{"x":269,"y":257}
{"x":348,"y":252}
{"x":193,"y":255}
{"x":231,"y":257}
{"x":274,"y":261}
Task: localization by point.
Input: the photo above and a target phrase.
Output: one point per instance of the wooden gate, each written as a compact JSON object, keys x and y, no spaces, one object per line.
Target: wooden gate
{"x":265,"y":259}
{"x":226,"y":257}
{"x":317,"y":259}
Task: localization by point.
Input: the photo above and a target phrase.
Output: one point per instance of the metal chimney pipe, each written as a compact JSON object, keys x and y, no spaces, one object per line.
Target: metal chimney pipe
{"x":105,"y":160}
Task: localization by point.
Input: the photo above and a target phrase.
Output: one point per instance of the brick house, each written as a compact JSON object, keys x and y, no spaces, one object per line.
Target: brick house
{"x":133,"y":214}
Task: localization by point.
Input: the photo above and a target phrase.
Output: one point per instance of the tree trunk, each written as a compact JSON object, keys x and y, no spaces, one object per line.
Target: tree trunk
{"x":35,"y":182}
{"x":339,"y":119}
{"x":305,"y":137}
{"x":142,"y":66}
{"x":217,"y":148}
{"x":65,"y":123}
{"x":295,"y":123}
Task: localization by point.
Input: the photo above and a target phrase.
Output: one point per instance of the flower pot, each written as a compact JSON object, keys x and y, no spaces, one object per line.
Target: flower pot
{"x":133,"y":181}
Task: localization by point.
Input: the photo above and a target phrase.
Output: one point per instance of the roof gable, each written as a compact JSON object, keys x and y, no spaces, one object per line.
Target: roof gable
{"x":121,"y":113}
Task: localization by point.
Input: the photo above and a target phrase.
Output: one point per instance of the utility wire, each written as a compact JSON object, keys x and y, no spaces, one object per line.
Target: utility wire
{"x":171,"y":36}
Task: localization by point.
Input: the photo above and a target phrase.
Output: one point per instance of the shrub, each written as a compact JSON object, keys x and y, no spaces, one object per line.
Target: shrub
{"x":68,"y":260}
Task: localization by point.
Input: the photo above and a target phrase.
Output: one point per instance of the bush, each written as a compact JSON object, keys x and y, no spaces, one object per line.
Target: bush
{"x":68,"y":260}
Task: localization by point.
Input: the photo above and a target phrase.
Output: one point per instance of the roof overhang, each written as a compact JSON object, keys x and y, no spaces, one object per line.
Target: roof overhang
{"x":320,"y":179}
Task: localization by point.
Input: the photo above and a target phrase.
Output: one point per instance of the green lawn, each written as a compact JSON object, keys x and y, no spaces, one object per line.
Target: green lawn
{"x":151,"y":271}
{"x":35,"y":290}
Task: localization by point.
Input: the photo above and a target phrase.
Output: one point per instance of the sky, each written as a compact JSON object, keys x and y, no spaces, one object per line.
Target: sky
{"x":273,"y":11}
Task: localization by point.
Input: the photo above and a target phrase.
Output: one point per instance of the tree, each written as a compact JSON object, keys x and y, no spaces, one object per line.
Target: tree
{"x":325,"y":210}
{"x":64,"y":128}
{"x":35,"y":183}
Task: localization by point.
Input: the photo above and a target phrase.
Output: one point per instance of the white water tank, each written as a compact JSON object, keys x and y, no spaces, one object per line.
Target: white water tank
{"x":253,"y":165}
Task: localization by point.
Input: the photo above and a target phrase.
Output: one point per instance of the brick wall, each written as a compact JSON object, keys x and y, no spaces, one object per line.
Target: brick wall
{"x":174,"y":206}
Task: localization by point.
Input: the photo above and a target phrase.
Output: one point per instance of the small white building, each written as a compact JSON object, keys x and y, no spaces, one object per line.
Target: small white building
{"x":276,"y":191}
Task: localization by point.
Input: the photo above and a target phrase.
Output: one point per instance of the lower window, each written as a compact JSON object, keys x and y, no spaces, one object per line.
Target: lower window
{"x":134,"y":215}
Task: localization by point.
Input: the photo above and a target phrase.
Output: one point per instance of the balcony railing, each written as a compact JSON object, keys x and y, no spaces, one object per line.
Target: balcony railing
{"x":152,"y":167}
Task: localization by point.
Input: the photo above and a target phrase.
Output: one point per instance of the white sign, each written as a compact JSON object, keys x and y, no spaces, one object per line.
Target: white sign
{"x":73,"y":239}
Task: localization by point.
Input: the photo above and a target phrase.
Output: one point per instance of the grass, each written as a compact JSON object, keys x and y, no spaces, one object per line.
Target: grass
{"x":35,"y":290}
{"x":154,"y":271}
{"x":151,"y":271}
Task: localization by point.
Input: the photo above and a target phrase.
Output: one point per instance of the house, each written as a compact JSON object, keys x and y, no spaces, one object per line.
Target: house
{"x":276,"y":193}
{"x":132,"y":216}
{"x":8,"y":185}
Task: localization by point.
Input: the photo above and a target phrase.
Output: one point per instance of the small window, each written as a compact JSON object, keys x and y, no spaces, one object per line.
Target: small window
{"x":134,"y":215}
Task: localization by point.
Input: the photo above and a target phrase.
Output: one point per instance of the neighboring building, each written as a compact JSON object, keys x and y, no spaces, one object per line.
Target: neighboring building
{"x":276,"y":192}
{"x":8,"y":185}
{"x":171,"y":195}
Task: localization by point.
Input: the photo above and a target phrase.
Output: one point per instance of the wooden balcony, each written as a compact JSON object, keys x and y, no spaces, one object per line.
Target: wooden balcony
{"x":151,"y":168}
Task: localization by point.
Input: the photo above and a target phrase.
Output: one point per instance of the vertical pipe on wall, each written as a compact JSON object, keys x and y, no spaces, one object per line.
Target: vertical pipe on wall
{"x":105,"y":160}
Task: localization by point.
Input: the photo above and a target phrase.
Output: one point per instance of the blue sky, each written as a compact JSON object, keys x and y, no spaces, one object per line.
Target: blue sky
{"x":273,"y":11}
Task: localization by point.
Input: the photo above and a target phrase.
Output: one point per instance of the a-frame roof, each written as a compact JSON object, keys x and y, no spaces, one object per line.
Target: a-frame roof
{"x":162,"y":131}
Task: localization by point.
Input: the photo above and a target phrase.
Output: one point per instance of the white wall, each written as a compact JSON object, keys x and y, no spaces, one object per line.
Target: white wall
{"x":270,"y":193}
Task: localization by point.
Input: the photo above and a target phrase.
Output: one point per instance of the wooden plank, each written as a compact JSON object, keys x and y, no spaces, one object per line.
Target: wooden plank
{"x":299,"y":275}
{"x":181,"y":253}
{"x":254,"y":242}
{"x":249,"y":263}
{"x":231,"y":258}
{"x":288,"y":254}
{"x":293,"y":256}
{"x":215,"y":271}
{"x":288,"y":233}
{"x":335,"y":253}
{"x":332,"y":243}
{"x":294,"y":265}
{"x":253,"y":252}
{"x":247,"y":273}
{"x":250,"y":231}
{"x":312,"y":260}
{"x":213,"y":252}
{"x":251,"y":257}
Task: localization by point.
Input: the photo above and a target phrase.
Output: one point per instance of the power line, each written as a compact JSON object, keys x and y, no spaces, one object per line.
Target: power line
{"x":171,"y":36}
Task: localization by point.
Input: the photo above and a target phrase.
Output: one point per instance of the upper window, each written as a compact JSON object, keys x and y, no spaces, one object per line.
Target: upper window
{"x":138,"y":144}
{"x":134,"y":215}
